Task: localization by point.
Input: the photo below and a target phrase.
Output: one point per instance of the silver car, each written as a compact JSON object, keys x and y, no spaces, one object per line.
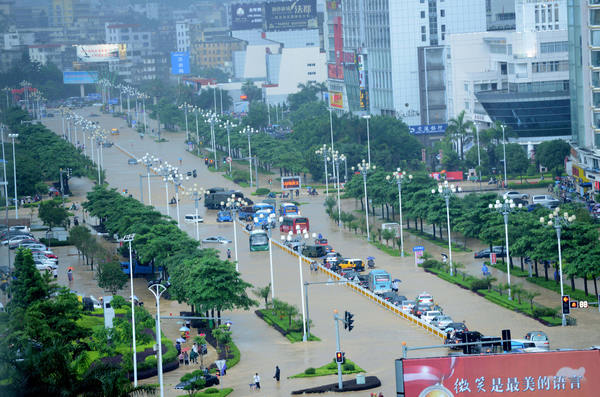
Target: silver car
{"x":216,"y":239}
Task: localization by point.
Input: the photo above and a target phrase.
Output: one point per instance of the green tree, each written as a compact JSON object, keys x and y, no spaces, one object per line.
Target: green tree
{"x":52,"y":213}
{"x":252,"y":92}
{"x":458,"y":129}
{"x":223,"y":336}
{"x":551,"y":154}
{"x":110,"y":277}
{"x":263,"y":293}
{"x":28,"y":286}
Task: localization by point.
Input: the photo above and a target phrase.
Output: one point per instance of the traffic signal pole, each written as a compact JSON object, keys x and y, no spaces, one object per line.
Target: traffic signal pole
{"x":336,"y":320}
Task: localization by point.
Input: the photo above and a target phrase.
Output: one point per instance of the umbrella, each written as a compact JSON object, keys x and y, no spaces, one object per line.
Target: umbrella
{"x":186,"y":349}
{"x":184,"y":329}
{"x":70,"y":268}
{"x":396,"y":280}
{"x":180,"y":340}
{"x":370,"y":258}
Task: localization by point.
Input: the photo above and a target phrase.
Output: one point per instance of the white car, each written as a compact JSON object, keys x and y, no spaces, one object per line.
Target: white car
{"x":441,"y":322}
{"x":408,"y":305}
{"x":515,"y":195}
{"x":193,"y":218}
{"x":430,"y":315}
{"x":14,"y":241}
{"x":41,"y":257}
{"x":33,"y":246}
{"x":45,"y":266}
{"x":23,"y":229}
{"x":539,"y":338}
{"x":424,"y":298}
{"x":216,"y":239}
{"x":545,"y":200}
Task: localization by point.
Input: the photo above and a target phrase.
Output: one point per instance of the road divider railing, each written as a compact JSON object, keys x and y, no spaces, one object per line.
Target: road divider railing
{"x":361,"y":290}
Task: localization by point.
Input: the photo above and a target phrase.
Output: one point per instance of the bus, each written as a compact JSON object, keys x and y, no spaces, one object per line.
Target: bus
{"x":290,"y":222}
{"x":264,"y":207}
{"x":380,"y":281}
{"x":288,"y":209}
{"x":262,"y":217}
{"x":259,"y":240}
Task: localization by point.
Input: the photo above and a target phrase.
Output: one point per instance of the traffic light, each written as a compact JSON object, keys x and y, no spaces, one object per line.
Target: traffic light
{"x":194,"y":173}
{"x":348,"y":320}
{"x":574,"y":304}
{"x":506,"y":345}
{"x":339,"y":357}
{"x":566,"y":304}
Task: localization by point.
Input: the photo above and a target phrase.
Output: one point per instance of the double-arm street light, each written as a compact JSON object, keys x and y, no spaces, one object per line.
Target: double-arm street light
{"x":164,"y":171}
{"x":400,"y":177}
{"x":364,"y":168}
{"x":228,"y":124}
{"x":233,"y":204}
{"x":158,"y":287}
{"x":249,"y":131}
{"x":368,"y":118}
{"x":128,"y":239}
{"x":506,"y":208}
{"x":212,"y":118}
{"x":148,"y":161}
{"x":447,"y":191}
{"x":558,"y":222}
{"x":268,"y":225}
{"x":12,"y":137}
{"x":177,"y":180}
{"x":185,"y":106}
{"x":324,"y":151}
{"x":196,"y":194}
{"x":336,"y":158}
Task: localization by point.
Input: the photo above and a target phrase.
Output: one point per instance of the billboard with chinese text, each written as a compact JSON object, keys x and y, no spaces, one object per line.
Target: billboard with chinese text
{"x":560,"y":373}
{"x":246,"y":16}
{"x":336,"y":99}
{"x":430,"y":129}
{"x":291,"y":15}
{"x":80,"y":77}
{"x":180,"y":62}
{"x":101,"y":52}
{"x":291,"y":183}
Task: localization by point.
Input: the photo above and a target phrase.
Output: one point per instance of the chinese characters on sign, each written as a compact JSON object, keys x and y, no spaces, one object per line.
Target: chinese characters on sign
{"x":437,"y":129}
{"x":288,"y":15}
{"x":516,"y":384}
{"x":180,"y":63}
{"x":291,"y":183}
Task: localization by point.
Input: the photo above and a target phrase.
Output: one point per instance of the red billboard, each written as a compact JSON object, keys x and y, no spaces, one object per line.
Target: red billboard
{"x":561,"y":373}
{"x":448,"y":175}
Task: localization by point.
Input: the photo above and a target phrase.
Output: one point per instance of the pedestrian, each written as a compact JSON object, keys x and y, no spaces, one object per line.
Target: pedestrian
{"x":257,"y":381}
{"x":228,"y":253}
{"x":186,"y":358}
{"x":556,"y":275}
{"x":178,"y":347}
{"x":193,"y":357}
{"x":277,"y":373}
{"x":55,"y":273}
{"x":180,"y":161}
{"x":180,"y":358}
{"x":224,"y":370}
{"x":70,"y":275}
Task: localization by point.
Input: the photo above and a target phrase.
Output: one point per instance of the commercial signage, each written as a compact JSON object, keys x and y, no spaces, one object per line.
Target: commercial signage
{"x":335,"y":71}
{"x":493,"y":258}
{"x":336,"y":99}
{"x":291,"y":15}
{"x":101,"y":52}
{"x":431,"y":129}
{"x":448,"y":175}
{"x":561,"y":373}
{"x":80,"y":77}
{"x":364,"y":98}
{"x":180,"y":63}
{"x":291,"y":183}
{"x":246,"y":16}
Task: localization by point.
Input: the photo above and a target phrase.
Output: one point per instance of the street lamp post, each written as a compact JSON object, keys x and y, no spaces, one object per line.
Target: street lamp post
{"x":368,"y":117}
{"x":195,"y":109}
{"x":177,"y":180}
{"x":196,"y":194}
{"x":233,"y":204}
{"x":364,"y":168}
{"x":212,"y":119}
{"x":447,"y":191}
{"x":554,"y":219}
{"x":504,"y":150}
{"x":324,"y":151}
{"x":184,"y":106}
{"x":12,"y":137}
{"x":158,"y":288}
{"x":249,"y":131}
{"x":506,"y":208}
{"x":331,"y":131}
{"x":148,"y":160}
{"x":289,"y":238}
{"x":228,"y":124}
{"x":336,"y":158}
{"x":128,"y":239}
{"x":269,"y":225}
{"x":399,"y":178}
{"x":164,"y":171}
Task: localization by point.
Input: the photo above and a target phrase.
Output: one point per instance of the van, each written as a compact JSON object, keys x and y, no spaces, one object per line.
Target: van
{"x":392,"y":226}
{"x":193,"y":218}
{"x":545,"y":200}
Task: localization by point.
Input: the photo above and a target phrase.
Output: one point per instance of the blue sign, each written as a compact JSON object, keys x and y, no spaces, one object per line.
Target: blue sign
{"x":431,"y":129}
{"x":180,"y":63}
{"x":80,"y":77}
{"x":418,"y":248}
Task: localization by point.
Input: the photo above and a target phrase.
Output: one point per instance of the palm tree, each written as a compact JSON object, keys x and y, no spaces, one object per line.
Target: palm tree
{"x":263,"y":293}
{"x":458,"y":129}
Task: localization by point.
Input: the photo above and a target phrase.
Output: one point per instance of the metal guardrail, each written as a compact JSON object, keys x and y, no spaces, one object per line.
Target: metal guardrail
{"x":362,"y":291}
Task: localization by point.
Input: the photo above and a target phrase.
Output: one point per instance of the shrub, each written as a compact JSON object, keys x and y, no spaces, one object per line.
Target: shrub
{"x":211,"y":390}
{"x":332,"y":365}
{"x":348,"y":367}
{"x":118,"y":301}
{"x":480,"y":284}
{"x":240,"y":176}
{"x":544,"y":312}
{"x":430,"y":263}
{"x":262,"y":191}
{"x":310,"y":371}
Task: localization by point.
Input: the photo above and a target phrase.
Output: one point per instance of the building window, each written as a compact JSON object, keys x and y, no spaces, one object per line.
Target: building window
{"x":422,"y":14}
{"x":423,"y":37}
{"x":442,"y":13}
{"x":423,"y":29}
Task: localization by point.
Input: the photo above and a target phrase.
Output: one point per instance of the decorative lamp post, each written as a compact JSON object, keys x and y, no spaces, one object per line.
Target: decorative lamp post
{"x":554,"y":219}
{"x":196,"y":194}
{"x":157,"y":288}
{"x":336,"y":158}
{"x":128,"y":239}
{"x":324,"y":151}
{"x":185,"y":106}
{"x":234,"y":204}
{"x":269,"y":225}
{"x":148,"y":160}
{"x":249,"y":131}
{"x":303,"y":242}
{"x":506,"y":208}
{"x":364,"y":168}
{"x":368,"y":117}
{"x":228,"y":124}
{"x":504,"y":150}
{"x":400,"y":177}
{"x":177,"y":180}
{"x":447,"y":191}
{"x":12,"y":137}
{"x":164,"y":171}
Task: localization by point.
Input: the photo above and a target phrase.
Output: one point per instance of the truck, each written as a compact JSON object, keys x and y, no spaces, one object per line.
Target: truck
{"x":214,"y":200}
{"x":380,"y":281}
{"x":138,"y":269}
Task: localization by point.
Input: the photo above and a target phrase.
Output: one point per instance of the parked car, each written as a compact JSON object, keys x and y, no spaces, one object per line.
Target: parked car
{"x":210,"y":380}
{"x":216,"y":239}
{"x":42,"y":257}
{"x":429,"y":315}
{"x":545,"y":200}
{"x":539,"y":338}
{"x":512,"y":194}
{"x":132,"y":161}
{"x":33,"y":245}
{"x":224,"y":216}
{"x":45,"y":266}
{"x":420,"y":308}
{"x":314,"y":251}
{"x":14,"y":241}
{"x":21,"y":229}
{"x":485,"y":253}
{"x":424,"y":297}
{"x":407,"y":305}
{"x":441,"y":322}
{"x":193,"y":218}
{"x":456,"y":327}
{"x":321,"y":241}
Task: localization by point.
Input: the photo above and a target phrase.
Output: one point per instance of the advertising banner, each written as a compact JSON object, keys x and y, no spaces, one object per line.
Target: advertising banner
{"x":561,"y":373}
{"x":448,"y":175}
{"x":101,"y":52}
{"x":336,"y":99}
{"x":291,"y":15}
{"x":364,"y":99}
{"x":80,"y":77}
{"x":246,"y":16}
{"x":180,"y":63}
{"x":433,"y":129}
{"x":291,"y":183}
{"x":335,"y":71}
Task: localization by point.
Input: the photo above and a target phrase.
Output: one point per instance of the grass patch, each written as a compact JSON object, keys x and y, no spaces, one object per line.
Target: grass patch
{"x":233,"y":349}
{"x":553,"y":286}
{"x":387,"y":249}
{"x":535,"y":185}
{"x":523,"y":307}
{"x":218,"y":393}
{"x":282,"y":325}
{"x":437,"y":241}
{"x":514,"y":271}
{"x":330,"y":369}
{"x":458,"y":278}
